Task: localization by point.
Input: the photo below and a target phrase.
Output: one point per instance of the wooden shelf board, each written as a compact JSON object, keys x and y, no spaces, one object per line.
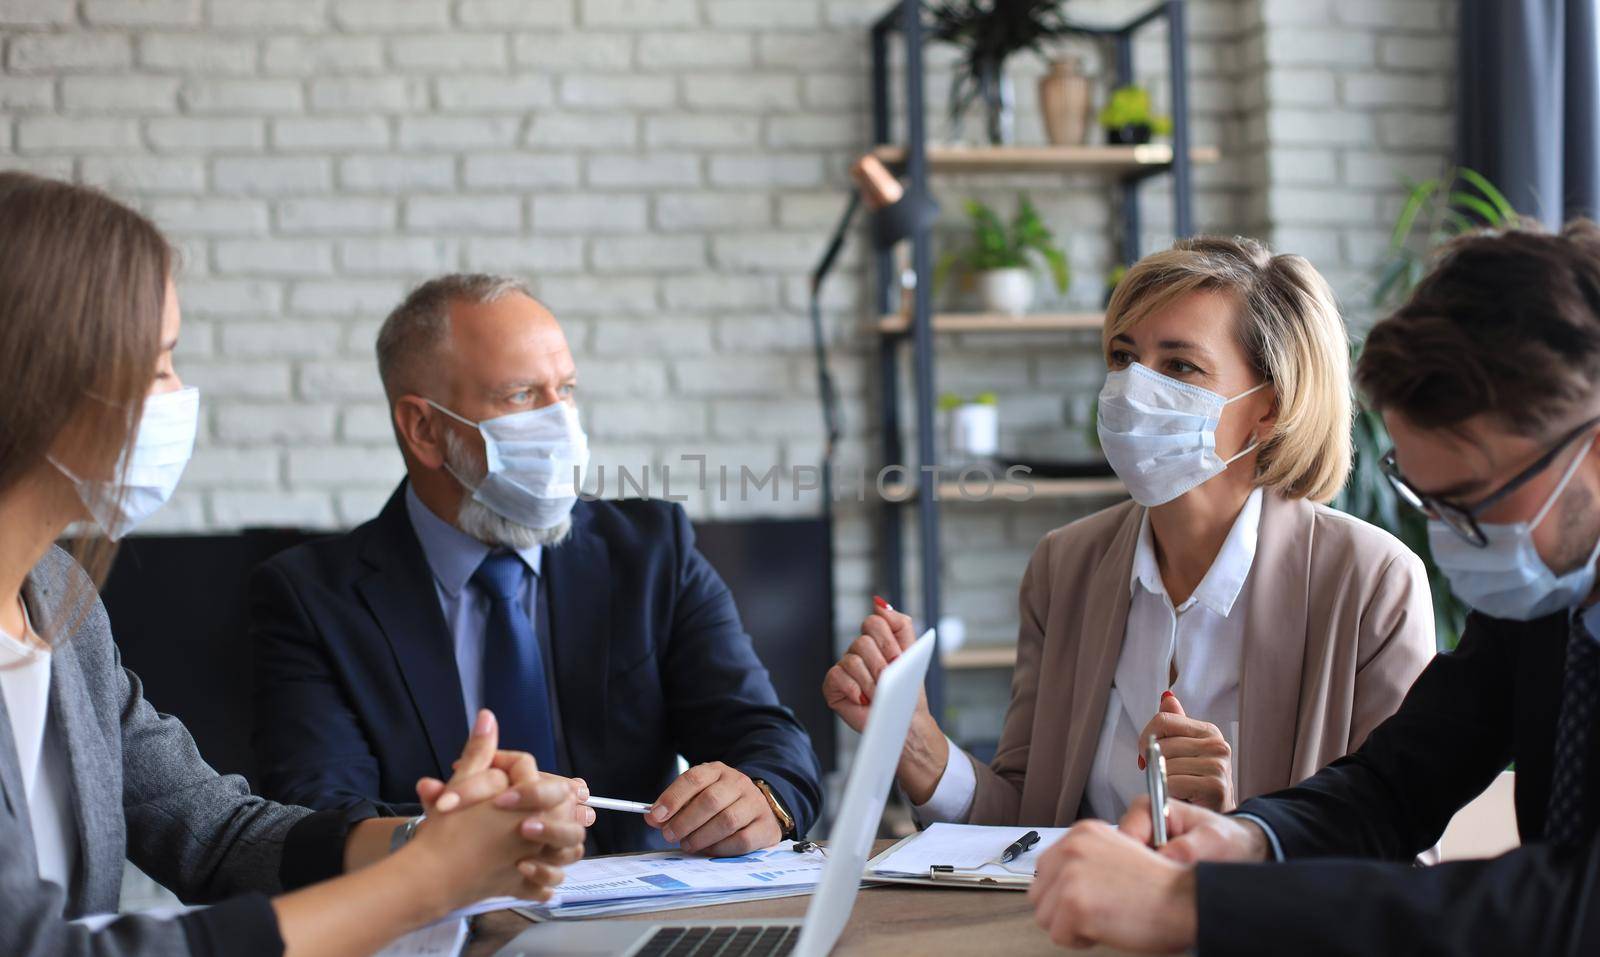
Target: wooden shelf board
{"x":981,"y":657}
{"x":1063,"y":159}
{"x":986,"y":322}
{"x":1016,"y":491}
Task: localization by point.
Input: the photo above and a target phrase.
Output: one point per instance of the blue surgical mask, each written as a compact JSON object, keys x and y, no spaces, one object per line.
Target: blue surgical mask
{"x":150,"y":467}
{"x":1160,"y":434}
{"x":534,"y":463}
{"x":1507,"y":578}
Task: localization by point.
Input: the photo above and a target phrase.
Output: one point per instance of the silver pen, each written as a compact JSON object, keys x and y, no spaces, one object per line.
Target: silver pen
{"x":612,"y":804}
{"x":1155,"y":782}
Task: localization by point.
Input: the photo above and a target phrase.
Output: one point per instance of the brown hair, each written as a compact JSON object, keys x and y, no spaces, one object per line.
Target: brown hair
{"x":1505,"y":324}
{"x":1290,"y":328}
{"x":82,"y":278}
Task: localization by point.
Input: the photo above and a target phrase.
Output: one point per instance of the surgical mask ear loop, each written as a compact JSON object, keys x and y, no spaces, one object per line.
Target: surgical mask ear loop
{"x":1254,"y":443}
{"x":470,"y":487}
{"x":1243,"y":452}
{"x":1561,"y":486}
{"x":467,"y":422}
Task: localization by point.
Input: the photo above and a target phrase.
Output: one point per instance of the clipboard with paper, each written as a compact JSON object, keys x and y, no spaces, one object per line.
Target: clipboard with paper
{"x":962,"y":855}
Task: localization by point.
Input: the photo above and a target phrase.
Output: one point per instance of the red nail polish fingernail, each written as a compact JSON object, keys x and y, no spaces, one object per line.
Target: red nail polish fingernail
{"x":1168,"y":694}
{"x":1141,"y":762}
{"x":879,"y":602}
{"x":865,"y":701}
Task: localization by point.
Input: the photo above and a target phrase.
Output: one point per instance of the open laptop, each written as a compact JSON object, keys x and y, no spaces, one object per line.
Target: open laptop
{"x":854,"y":828}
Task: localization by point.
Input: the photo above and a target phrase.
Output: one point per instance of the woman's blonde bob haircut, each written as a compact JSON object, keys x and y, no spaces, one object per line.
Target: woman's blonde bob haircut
{"x":1291,"y":330}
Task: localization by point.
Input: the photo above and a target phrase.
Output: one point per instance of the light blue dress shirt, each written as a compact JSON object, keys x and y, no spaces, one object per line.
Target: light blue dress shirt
{"x":453,"y":556}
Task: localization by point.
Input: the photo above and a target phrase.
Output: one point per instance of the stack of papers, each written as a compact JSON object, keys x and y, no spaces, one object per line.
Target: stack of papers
{"x":971,"y":849}
{"x":444,"y":939}
{"x":669,"y":880}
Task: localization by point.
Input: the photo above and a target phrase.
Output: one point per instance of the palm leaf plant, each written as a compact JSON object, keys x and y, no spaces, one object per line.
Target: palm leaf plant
{"x":1435,"y":211}
{"x":996,"y":245}
{"x":990,"y":32}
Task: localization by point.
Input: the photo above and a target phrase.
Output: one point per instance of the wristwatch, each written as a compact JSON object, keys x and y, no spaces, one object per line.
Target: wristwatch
{"x":405,"y":832}
{"x":785,"y":820}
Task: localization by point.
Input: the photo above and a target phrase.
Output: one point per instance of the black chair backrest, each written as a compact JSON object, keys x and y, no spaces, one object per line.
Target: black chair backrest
{"x":178,"y":610}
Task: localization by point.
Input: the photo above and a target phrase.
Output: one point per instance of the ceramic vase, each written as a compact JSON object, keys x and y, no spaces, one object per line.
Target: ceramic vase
{"x":1065,"y":98}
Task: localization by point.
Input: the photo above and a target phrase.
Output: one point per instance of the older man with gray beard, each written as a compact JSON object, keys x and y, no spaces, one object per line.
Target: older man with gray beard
{"x":600,"y":638}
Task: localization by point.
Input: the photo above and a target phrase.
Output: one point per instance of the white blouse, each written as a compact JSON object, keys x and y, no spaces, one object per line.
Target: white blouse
{"x":1201,"y":639}
{"x":42,"y":755}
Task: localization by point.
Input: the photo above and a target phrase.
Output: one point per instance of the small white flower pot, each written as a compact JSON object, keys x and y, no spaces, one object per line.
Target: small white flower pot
{"x":1006,"y":291}
{"x":974,"y":431}
{"x":952,"y":633}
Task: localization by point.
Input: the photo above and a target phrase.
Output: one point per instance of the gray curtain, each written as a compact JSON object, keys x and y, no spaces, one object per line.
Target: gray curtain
{"x":1528,"y":113}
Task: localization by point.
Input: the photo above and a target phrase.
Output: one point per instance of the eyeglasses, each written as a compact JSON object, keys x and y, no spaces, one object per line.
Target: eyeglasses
{"x":1464,"y":520}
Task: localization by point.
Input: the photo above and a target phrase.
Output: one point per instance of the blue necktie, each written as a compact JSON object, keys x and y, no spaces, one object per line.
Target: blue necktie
{"x":1568,"y":820}
{"x":514,"y":683}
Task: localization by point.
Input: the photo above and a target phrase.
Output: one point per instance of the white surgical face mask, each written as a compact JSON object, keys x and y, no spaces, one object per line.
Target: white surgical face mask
{"x":1507,"y":578}
{"x":161,"y":449}
{"x":1160,"y":435}
{"x":534,"y":463}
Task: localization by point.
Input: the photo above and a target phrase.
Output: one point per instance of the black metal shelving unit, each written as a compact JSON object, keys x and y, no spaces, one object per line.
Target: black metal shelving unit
{"x":914,"y":160}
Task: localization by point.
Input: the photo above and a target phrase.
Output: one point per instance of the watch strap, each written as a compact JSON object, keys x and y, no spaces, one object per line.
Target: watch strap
{"x":405,"y":832}
{"x":785,"y":819}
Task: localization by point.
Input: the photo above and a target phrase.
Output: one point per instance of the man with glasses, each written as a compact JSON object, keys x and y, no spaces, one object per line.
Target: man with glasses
{"x":1488,"y":379}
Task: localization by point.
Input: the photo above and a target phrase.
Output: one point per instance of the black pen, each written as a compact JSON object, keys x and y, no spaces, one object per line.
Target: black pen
{"x":1019,"y":847}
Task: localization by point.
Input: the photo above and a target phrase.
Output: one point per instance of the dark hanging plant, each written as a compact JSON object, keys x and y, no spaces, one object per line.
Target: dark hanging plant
{"x":991,"y":31}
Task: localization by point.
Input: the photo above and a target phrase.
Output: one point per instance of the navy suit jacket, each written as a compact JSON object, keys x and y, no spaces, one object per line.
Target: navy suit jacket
{"x":357,"y":694}
{"x":1350,"y":832}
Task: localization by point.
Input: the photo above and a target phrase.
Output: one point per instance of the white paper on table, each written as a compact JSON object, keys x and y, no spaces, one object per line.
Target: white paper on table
{"x":666,"y":875}
{"x":444,"y":939}
{"x":966,"y":847}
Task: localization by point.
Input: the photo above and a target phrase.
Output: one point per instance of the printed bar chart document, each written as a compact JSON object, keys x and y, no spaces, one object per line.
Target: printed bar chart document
{"x":631,"y":883}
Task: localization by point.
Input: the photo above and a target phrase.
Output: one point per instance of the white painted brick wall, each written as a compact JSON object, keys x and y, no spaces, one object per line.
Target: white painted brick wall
{"x":664,"y":171}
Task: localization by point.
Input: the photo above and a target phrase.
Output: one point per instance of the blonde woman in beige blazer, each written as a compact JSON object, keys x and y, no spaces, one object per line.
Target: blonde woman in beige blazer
{"x":1291,"y":629}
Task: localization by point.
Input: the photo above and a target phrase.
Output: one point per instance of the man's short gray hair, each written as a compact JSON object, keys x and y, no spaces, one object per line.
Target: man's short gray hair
{"x":412,"y":334}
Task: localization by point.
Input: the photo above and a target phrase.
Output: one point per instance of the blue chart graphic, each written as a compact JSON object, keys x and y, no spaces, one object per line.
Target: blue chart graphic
{"x":765,"y":877}
{"x":751,"y":858}
{"x":664,"y":881}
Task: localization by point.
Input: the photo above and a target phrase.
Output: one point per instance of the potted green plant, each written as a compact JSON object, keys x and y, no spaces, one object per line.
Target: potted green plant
{"x":1435,"y":212}
{"x":990,"y":32}
{"x":1001,"y":257}
{"x":1127,"y":119}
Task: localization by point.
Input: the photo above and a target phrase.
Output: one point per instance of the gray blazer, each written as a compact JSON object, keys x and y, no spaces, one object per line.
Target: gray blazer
{"x":140,"y":788}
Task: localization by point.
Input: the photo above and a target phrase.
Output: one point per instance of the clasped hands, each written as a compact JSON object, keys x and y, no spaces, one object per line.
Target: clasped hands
{"x":499,"y":826}
{"x":711,"y":808}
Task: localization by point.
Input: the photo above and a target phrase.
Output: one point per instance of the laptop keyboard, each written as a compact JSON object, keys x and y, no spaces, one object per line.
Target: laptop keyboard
{"x":720,"y":942}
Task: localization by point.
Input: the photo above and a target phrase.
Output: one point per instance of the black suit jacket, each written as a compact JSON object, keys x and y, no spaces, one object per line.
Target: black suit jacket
{"x":1348,"y":831}
{"x":357,"y":694}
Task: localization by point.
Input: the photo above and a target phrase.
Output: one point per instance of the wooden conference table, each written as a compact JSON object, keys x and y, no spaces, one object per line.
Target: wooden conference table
{"x":887,"y":921}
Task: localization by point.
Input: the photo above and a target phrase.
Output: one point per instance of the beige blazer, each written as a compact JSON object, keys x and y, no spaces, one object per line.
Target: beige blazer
{"x":1340,"y":623}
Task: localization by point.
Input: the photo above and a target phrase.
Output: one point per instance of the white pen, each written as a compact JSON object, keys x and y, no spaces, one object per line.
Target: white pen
{"x":612,"y":804}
